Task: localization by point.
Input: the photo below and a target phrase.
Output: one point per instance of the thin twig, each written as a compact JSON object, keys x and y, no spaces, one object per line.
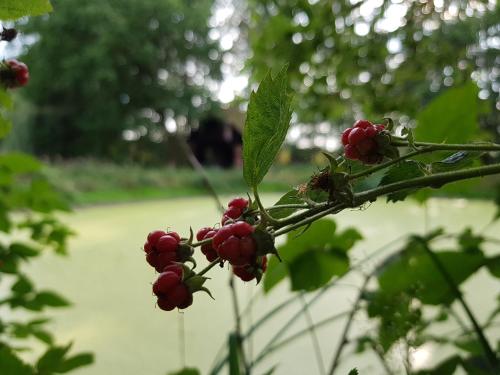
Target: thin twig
{"x":314,"y":337}
{"x":347,"y":327}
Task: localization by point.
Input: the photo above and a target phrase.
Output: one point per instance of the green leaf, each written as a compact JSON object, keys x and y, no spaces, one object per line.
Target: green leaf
{"x":314,"y":269}
{"x":275,"y":273}
{"x":234,"y":356}
{"x":50,"y":299}
{"x":186,"y":371}
{"x":447,"y":367}
{"x":13,"y":9}
{"x":20,"y":163}
{"x":268,"y":118}
{"x":458,"y":160}
{"x":451,"y":117}
{"x":10,"y":364}
{"x":414,"y":272}
{"x":468,"y":241}
{"x":354,"y":371}
{"x":22,"y":250}
{"x":52,"y":359}
{"x":291,"y":197}
{"x":5,"y":99}
{"x":22,"y":286}
{"x":402,"y":171}
{"x":493,"y":265}
{"x":5,"y":127}
{"x":79,"y":360}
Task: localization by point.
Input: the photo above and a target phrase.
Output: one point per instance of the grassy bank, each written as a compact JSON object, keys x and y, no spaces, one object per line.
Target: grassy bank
{"x":93,"y":182}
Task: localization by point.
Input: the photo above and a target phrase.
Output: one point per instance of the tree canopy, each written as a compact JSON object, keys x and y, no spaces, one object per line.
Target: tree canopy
{"x":375,"y":58}
{"x":102,"y":69}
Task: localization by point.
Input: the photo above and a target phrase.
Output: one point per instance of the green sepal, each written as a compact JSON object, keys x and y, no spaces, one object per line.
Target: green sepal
{"x":265,"y":242}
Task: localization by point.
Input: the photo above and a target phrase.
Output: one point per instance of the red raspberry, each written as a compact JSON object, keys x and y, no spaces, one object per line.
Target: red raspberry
{"x":166,"y":243}
{"x":14,"y":74}
{"x":365,"y":147}
{"x":233,"y":212}
{"x":208,"y":249}
{"x":165,"y":304}
{"x":363,"y":124}
{"x":202,"y":232}
{"x":171,"y":291}
{"x":345,"y":136}
{"x":175,"y":268}
{"x":240,"y":203}
{"x":356,"y":135}
{"x":248,"y":273}
{"x":165,"y":283}
{"x":148,"y":247}
{"x":154,"y":236}
{"x":234,"y":243}
{"x":360,"y":142}
{"x":162,"y":249}
{"x":351,"y":152}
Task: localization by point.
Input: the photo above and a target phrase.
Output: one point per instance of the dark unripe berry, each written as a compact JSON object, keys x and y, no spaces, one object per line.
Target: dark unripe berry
{"x":14,"y":74}
{"x":179,"y":295}
{"x":165,"y":304}
{"x":351,"y":152}
{"x":366,"y":146}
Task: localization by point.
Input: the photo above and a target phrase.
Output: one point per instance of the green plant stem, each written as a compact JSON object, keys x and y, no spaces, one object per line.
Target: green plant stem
{"x":488,"y":351}
{"x":314,"y":337}
{"x":238,"y":330}
{"x":310,"y":219}
{"x":347,"y":327}
{"x":435,"y":180}
{"x":486,"y":146}
{"x":268,"y":219}
{"x":281,"y":206}
{"x":379,"y":167}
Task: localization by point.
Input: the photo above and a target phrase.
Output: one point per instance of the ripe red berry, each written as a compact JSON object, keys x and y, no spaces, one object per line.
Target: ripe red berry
{"x":240,"y":203}
{"x":363,"y":124}
{"x":366,"y":146}
{"x":148,"y":247}
{"x":345,"y":136}
{"x":351,"y":152}
{"x":233,"y":212}
{"x":202,"y":232}
{"x":250,"y":272}
{"x":208,"y":249}
{"x":167,"y":243}
{"x":175,"y":268}
{"x":175,"y":235}
{"x":179,"y":295}
{"x":356,"y":135}
{"x":241,"y":229}
{"x":165,"y":283}
{"x":154,"y":236}
{"x":165,"y":304}
{"x":14,"y":74}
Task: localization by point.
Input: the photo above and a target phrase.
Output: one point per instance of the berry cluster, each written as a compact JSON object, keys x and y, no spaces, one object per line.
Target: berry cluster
{"x":235,"y":210}
{"x":252,"y":271}
{"x":207,"y":249}
{"x":360,"y":142}
{"x":14,"y":74}
{"x":170,"y":289}
{"x":164,"y":248}
{"x":234,"y":243}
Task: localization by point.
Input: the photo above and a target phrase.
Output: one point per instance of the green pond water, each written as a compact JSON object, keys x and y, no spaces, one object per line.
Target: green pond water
{"x":114,"y":313}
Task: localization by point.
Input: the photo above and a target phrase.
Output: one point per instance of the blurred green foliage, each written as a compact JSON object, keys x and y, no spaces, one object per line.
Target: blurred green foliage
{"x":374,"y":58}
{"x":99,"y":68}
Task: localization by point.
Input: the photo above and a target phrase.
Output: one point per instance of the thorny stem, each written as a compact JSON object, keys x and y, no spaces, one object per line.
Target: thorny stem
{"x":484,"y":146}
{"x":265,"y":216}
